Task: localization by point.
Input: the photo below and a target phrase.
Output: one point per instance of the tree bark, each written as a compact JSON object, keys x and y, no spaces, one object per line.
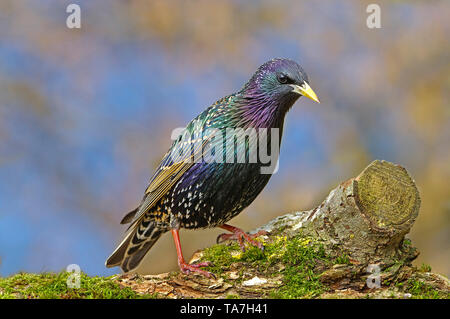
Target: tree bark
{"x":364,"y":219}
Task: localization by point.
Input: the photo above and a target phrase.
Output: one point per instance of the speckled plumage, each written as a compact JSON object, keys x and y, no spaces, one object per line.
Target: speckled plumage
{"x":203,"y":194}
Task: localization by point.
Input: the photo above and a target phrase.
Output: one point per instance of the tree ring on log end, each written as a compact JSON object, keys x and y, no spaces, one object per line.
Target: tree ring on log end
{"x":387,"y":196}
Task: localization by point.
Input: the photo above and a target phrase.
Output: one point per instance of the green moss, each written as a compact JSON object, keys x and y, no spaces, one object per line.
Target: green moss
{"x":300,"y":277}
{"x":300,"y":257}
{"x":220,"y":256}
{"x":421,"y":290}
{"x":407,"y":242}
{"x":425,"y":268}
{"x":54,"y":286}
{"x":342,"y":260}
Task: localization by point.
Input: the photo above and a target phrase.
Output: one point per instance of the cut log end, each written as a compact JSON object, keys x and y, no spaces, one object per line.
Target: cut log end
{"x":387,"y":196}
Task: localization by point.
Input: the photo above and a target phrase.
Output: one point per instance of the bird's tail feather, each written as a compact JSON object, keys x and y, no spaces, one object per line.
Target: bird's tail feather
{"x":129,"y":217}
{"x":130,"y":252}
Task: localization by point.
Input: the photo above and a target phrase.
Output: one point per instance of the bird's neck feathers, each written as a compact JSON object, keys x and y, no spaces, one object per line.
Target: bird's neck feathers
{"x":261,"y":108}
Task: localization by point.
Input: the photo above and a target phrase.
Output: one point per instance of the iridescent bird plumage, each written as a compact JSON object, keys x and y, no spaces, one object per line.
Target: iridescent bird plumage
{"x":185,"y":193}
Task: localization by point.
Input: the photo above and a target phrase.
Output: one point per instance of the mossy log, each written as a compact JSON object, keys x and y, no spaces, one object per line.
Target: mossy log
{"x":354,"y":238}
{"x":367,"y":216}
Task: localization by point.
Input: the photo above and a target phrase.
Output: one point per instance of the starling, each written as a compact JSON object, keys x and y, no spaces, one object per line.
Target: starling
{"x":189,"y":190}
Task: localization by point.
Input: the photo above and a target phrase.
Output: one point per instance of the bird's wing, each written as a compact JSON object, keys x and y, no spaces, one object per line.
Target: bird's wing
{"x":182,"y":155}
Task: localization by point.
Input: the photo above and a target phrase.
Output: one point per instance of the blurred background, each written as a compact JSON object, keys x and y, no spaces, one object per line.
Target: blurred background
{"x":86,"y":114}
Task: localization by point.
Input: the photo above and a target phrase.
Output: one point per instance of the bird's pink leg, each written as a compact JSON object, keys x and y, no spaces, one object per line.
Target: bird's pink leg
{"x":187,"y":268}
{"x":239,"y":235}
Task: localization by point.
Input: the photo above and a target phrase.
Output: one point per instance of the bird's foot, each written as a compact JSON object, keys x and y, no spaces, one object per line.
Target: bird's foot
{"x":239,"y":235}
{"x":188,"y":268}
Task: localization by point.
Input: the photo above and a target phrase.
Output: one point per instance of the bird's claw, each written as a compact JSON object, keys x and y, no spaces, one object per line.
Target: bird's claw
{"x":240,"y":235}
{"x":188,"y":268}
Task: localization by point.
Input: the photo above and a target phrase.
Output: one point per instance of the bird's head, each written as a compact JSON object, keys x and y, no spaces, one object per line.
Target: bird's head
{"x":281,"y":80}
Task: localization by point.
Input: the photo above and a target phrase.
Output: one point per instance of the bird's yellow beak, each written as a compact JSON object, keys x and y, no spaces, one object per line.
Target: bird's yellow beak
{"x":305,"y":90}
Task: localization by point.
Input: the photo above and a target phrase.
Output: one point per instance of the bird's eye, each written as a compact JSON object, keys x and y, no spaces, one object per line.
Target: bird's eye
{"x":283,"y":78}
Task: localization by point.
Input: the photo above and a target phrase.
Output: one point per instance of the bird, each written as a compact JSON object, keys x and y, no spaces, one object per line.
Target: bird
{"x":188,"y":191}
